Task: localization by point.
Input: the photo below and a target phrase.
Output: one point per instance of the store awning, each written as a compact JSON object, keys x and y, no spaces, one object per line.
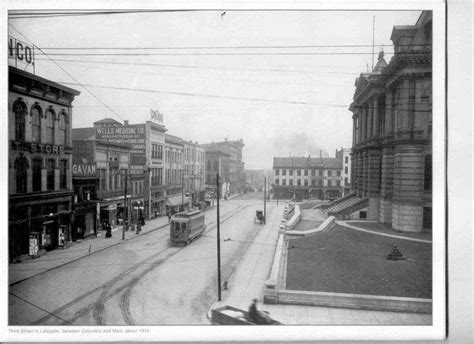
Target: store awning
{"x":173,"y":201}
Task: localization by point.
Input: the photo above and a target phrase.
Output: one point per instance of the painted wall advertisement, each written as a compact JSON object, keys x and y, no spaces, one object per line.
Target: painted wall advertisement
{"x":83,"y":162}
{"x":133,"y":135}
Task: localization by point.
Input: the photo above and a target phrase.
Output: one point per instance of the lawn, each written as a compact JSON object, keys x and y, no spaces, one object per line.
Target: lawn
{"x":343,"y":260}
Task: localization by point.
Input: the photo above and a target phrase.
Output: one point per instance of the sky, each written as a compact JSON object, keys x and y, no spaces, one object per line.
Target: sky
{"x":215,"y":75}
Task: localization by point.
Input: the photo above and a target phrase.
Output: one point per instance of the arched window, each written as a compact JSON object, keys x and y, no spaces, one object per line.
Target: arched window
{"x":20,"y":111}
{"x":63,"y":126}
{"x":21,"y":166}
{"x":50,"y":117}
{"x":36,"y":113}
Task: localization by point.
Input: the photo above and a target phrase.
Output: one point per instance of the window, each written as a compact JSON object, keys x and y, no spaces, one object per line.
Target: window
{"x":159,"y":176}
{"x":298,"y":172}
{"x":313,"y":173}
{"x":277,"y":181}
{"x":306,"y":182}
{"x":338,"y":173}
{"x":320,"y":182}
{"x":277,"y":172}
{"x":290,"y":182}
{"x":298,"y":182}
{"x":346,"y":159}
{"x":283,"y":182}
{"x":313,"y":182}
{"x":320,"y":173}
{"x":101,"y":175}
{"x":50,"y":175}
{"x":21,"y":165}
{"x":63,"y":128}
{"x":346,"y":170}
{"x":215,"y":165}
{"x":290,"y":172}
{"x":111,"y":179}
{"x":63,"y":174}
{"x":338,"y":183}
{"x":306,"y":173}
{"x":160,"y":152}
{"x":283,"y":172}
{"x":37,"y":165}
{"x":428,"y":174}
{"x":36,"y":123}
{"x":346,"y":181}
{"x":20,"y":110}
{"x":154,"y":152}
{"x":50,"y":116}
{"x":329,"y":173}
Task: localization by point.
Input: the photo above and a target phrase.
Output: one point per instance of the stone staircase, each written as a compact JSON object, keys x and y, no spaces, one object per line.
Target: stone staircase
{"x":345,"y":205}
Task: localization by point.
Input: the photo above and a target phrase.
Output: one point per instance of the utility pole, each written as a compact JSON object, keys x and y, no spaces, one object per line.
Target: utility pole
{"x":182,"y":189}
{"x":125,"y":215}
{"x":218,"y":245}
{"x":265,"y":200}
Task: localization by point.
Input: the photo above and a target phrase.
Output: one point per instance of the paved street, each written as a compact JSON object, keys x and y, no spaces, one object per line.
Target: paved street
{"x":112,"y":286}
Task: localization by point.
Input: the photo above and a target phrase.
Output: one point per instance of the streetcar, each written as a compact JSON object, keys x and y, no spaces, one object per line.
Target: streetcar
{"x":186,"y":226}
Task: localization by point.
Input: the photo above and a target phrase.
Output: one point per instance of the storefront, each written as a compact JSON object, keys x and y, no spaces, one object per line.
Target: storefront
{"x":48,"y":219}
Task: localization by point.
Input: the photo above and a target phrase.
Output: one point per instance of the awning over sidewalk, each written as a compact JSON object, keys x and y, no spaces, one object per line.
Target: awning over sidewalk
{"x":173,"y":201}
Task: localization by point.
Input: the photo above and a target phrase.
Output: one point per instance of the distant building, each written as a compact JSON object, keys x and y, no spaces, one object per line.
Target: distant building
{"x":255,"y":178}
{"x":345,"y":155}
{"x":217,"y":162}
{"x":174,"y":173}
{"x":39,"y":162}
{"x":307,"y":177}
{"x":230,"y":153}
{"x":392,"y":125}
{"x":194,"y":171}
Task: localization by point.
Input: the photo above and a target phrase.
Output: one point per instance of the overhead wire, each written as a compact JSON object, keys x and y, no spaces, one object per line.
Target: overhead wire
{"x":65,"y":71}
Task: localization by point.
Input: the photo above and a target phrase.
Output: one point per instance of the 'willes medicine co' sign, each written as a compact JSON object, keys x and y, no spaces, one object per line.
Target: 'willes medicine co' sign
{"x":20,"y":52}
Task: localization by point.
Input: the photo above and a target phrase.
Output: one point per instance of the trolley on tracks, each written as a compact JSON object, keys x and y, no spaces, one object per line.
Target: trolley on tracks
{"x":186,"y":226}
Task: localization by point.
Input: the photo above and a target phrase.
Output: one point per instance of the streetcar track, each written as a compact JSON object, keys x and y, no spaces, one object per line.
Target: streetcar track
{"x":98,"y":307}
{"x":125,"y":299}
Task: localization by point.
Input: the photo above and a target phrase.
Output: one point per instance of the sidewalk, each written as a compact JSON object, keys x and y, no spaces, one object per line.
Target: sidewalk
{"x":248,"y":282}
{"x":30,"y":267}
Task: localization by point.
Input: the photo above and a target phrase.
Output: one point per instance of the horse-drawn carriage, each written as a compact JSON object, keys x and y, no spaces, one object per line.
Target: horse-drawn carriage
{"x":259,"y":218}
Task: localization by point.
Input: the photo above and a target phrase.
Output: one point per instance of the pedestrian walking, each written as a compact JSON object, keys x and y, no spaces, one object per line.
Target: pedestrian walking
{"x":169,"y":217}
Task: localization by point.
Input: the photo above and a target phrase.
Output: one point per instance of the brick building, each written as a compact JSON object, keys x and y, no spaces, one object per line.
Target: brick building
{"x":39,"y":162}
{"x":307,"y":177}
{"x":229,"y":155}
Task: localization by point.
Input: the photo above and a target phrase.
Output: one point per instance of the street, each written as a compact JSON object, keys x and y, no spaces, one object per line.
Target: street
{"x":141,"y":281}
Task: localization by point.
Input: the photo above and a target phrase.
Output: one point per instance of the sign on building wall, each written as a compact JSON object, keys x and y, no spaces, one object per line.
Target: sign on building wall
{"x":133,"y":135}
{"x":21,"y":55}
{"x":83,"y":162}
{"x":156,"y":117}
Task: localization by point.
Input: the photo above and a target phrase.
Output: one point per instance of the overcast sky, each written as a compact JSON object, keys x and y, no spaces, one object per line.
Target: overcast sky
{"x":203,"y":97}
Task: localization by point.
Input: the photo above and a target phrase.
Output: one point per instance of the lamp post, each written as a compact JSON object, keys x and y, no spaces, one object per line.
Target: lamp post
{"x":218,"y":245}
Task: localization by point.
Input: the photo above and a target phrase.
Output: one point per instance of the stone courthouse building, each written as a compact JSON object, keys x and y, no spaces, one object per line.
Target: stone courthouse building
{"x":392,"y":125}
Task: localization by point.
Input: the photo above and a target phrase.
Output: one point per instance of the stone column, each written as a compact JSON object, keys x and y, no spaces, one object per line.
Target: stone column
{"x":373,"y":182}
{"x":402,"y":123}
{"x":359,"y":127}
{"x":386,"y":187}
{"x":375,"y":118}
{"x":370,"y":116}
{"x":365,"y":173}
{"x":354,"y":132}
{"x":407,"y":206}
{"x":388,"y":113}
{"x":359,"y":177}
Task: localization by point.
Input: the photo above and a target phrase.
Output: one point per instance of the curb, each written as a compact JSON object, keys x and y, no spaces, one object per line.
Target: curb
{"x":86,"y":255}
